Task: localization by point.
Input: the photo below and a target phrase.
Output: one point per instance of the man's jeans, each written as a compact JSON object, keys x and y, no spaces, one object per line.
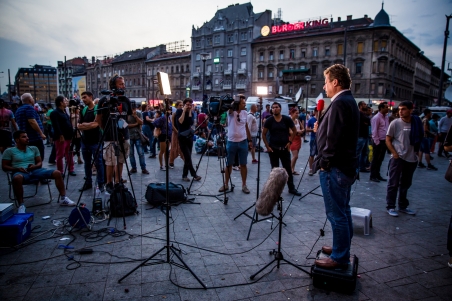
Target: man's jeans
{"x":137,"y":144}
{"x":148,"y":133}
{"x":400,"y":179}
{"x":88,"y":152}
{"x":362,"y":143}
{"x":379,"y":155}
{"x":336,"y":194}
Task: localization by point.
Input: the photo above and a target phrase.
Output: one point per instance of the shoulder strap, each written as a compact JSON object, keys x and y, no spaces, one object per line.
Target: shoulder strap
{"x":86,"y":109}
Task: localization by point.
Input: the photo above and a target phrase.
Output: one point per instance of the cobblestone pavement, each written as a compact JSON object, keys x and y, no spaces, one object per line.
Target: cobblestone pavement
{"x":403,"y":258}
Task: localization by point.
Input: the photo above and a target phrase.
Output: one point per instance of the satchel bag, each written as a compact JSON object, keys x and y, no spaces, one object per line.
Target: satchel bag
{"x":448,"y":175}
{"x":157,"y":132}
{"x":187,"y":133}
{"x":144,"y":139}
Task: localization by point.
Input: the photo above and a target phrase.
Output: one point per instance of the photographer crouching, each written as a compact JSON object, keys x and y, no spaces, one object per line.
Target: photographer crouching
{"x":118,"y":104}
{"x":239,"y":139}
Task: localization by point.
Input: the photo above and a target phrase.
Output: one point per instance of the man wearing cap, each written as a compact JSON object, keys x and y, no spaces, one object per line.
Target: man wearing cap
{"x":443,"y":126}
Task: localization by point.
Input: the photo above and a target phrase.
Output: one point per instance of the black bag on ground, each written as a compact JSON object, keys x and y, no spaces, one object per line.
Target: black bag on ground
{"x":130,"y":204}
{"x":156,"y":193}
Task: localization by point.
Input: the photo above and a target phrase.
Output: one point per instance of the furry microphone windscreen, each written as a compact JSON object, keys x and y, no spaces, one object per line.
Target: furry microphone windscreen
{"x":272,"y":191}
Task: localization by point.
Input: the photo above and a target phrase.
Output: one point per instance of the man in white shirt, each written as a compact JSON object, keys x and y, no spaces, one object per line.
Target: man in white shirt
{"x":252,"y":125}
{"x":239,"y":139}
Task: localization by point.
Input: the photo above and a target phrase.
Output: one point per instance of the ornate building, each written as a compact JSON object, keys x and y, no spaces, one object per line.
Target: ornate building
{"x":66,"y":71}
{"x":177,"y":65}
{"x":97,"y":75}
{"x":223,"y":46}
{"x":40,"y":81}
{"x":384,"y":64}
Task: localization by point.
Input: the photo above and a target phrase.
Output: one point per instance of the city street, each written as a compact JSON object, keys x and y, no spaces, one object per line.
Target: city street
{"x":403,"y":258}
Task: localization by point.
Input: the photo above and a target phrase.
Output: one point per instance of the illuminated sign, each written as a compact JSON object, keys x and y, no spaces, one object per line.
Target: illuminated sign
{"x":216,"y":60}
{"x":265,"y":31}
{"x":297,"y":26}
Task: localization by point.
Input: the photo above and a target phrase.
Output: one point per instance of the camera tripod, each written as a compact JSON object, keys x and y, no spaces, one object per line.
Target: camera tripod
{"x":255,"y":217}
{"x":170,"y":249}
{"x":112,"y":124}
{"x":221,"y":154}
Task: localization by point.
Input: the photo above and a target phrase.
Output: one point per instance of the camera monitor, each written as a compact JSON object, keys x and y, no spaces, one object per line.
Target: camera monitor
{"x":164,"y":84}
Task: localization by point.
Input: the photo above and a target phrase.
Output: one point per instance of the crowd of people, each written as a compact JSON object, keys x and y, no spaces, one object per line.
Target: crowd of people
{"x":346,"y":140}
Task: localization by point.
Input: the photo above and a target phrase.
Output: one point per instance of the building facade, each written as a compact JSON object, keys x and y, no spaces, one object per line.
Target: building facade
{"x":177,"y":65}
{"x":39,"y":80}
{"x":383,"y":63}
{"x":223,"y":47}
{"x":66,"y":71}
{"x":97,"y":75}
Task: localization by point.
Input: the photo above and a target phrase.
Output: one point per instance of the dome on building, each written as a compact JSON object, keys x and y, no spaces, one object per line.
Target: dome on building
{"x":382,"y":18}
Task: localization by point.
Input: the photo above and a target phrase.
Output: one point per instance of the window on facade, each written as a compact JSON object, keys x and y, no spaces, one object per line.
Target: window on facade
{"x":303,"y":52}
{"x":209,"y":68}
{"x":243,"y":51}
{"x":381,"y":66}
{"x":209,"y":41}
{"x":270,"y":89}
{"x":292,"y":53}
{"x":290,"y":89}
{"x":384,"y":45}
{"x":177,"y":69}
{"x":230,"y":38}
{"x":315,"y":52}
{"x":359,"y":67}
{"x":357,"y":88}
{"x":314,"y":69}
{"x":270,"y":73}
{"x":374,"y":67}
{"x":243,"y":65}
{"x":340,"y":49}
{"x":270,"y":56}
{"x":360,"y":47}
{"x":302,"y":66}
{"x":291,"y":67}
{"x":198,"y":43}
{"x":280,"y":72}
{"x":216,"y":82}
{"x":216,"y":68}
{"x":372,"y":88}
{"x":198,"y":57}
{"x":198,"y":69}
{"x":221,"y":67}
{"x":281,"y":54}
{"x":260,"y":73}
{"x":229,"y":66}
{"x":380,"y":89}
{"x":313,"y":87}
{"x":229,"y":52}
{"x":216,"y":39}
{"x":172,"y":69}
{"x":327,"y":51}
{"x":375,"y":45}
{"x":261,"y":56}
{"x":187,"y":69}
{"x":243,"y":35}
{"x":217,"y":53}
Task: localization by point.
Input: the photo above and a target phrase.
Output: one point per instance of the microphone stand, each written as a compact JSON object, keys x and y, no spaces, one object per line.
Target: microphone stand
{"x":278,"y":254}
{"x":170,"y":249}
{"x":255,"y":218}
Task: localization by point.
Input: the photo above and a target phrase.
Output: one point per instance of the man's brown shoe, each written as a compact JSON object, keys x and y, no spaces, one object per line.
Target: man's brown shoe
{"x":328,"y":263}
{"x":327,"y":250}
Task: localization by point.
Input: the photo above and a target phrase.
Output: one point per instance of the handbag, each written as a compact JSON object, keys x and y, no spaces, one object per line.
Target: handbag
{"x":157,"y":132}
{"x":448,"y":175}
{"x":144,"y":139}
{"x":187,"y":133}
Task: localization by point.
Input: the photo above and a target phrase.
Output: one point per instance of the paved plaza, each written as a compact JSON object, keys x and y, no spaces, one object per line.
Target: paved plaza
{"x":403,"y":258}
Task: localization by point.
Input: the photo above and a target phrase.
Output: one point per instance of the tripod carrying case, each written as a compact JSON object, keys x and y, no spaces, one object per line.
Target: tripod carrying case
{"x":343,"y":281}
{"x":156,"y":193}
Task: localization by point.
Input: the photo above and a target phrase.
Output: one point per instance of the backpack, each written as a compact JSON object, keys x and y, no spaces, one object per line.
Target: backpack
{"x":115,"y":202}
{"x":156,"y":194}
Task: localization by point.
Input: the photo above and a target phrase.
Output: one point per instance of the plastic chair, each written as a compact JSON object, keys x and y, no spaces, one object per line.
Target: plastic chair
{"x":12,"y":195}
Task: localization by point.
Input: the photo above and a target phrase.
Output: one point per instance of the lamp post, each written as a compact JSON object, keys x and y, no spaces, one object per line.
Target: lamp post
{"x":1,"y":84}
{"x":307,"y":78}
{"x":204,"y":57}
{"x":9,"y":87}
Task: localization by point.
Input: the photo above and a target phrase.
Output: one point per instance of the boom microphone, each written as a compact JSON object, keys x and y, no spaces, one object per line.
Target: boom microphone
{"x":272,"y":191}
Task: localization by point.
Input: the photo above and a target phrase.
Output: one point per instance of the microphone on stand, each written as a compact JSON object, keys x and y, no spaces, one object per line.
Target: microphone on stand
{"x":272,"y":191}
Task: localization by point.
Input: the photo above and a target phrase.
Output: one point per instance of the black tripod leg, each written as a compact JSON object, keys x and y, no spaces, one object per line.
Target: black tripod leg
{"x":253,"y":220}
{"x":244,"y":212}
{"x":173,"y":249}
{"x":267,"y":265}
{"x":141,"y":264}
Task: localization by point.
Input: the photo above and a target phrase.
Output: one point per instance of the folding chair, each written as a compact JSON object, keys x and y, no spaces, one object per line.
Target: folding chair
{"x":12,"y":195}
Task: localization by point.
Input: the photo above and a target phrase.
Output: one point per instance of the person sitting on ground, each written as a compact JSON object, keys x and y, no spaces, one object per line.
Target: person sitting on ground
{"x":25,"y":164}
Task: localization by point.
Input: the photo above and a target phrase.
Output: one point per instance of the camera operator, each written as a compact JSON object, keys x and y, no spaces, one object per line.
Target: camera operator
{"x":239,"y":139}
{"x":117,"y":104}
{"x":63,"y":132}
{"x":90,"y":142}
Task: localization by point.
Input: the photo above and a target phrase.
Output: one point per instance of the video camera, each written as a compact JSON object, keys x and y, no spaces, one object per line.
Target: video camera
{"x":74,"y":105}
{"x":112,"y":96}
{"x":217,"y":105}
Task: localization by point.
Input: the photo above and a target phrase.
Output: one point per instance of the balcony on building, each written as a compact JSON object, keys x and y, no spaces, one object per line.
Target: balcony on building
{"x":227,"y":72}
{"x":227,"y":86}
{"x":294,"y":75}
{"x":241,"y":71}
{"x":195,"y":74}
{"x":240,"y":86}
{"x":208,"y":73}
{"x":209,"y":87}
{"x":196,"y":87}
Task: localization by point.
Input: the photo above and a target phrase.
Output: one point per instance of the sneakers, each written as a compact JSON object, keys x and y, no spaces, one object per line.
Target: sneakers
{"x":245,"y":189}
{"x":431,"y":167}
{"x":393,"y":212}
{"x":171,"y":165}
{"x":310,"y":173}
{"x":236,"y":168}
{"x":254,"y":161}
{"x":66,"y":202}
{"x":421,"y":165}
{"x":224,"y":188}
{"x":72,"y":173}
{"x":407,"y":211}
{"x":162,"y":168}
{"x":145,"y":171}
{"x":21,"y":209}
{"x":197,"y":178}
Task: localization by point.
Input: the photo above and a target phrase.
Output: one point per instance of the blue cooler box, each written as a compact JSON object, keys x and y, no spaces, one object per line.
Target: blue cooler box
{"x":16,"y":229}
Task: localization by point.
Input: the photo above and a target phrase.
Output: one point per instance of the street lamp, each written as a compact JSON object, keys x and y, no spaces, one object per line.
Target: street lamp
{"x":307,"y":79}
{"x":204,"y":57}
{"x":1,"y":84}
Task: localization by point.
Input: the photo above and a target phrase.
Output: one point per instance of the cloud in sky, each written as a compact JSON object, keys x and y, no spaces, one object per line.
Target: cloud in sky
{"x":47,"y":30}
